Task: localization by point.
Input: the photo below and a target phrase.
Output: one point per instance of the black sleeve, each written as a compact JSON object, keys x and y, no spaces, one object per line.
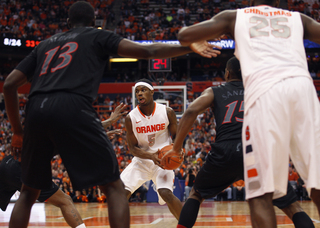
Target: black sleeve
{"x":28,"y":64}
{"x":109,"y":42}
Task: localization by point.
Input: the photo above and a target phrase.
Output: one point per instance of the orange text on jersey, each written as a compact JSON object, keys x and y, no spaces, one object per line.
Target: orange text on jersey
{"x":274,"y":13}
{"x":151,"y":128}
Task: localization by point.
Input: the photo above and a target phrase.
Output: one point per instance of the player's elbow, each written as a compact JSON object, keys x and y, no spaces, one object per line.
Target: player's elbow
{"x":183,"y":37}
{"x":8,"y":85}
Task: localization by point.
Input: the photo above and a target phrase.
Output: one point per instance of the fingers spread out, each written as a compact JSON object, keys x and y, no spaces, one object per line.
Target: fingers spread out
{"x":214,"y":46}
{"x":205,"y":49}
{"x":209,"y":53}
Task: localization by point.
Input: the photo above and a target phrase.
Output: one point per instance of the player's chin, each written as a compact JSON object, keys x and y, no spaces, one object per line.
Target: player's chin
{"x":143,"y":103}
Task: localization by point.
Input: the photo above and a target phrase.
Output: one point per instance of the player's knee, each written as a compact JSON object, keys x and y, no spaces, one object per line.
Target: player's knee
{"x":68,"y":199}
{"x":194,"y":195}
{"x":264,"y":200}
{"x":166,"y":194}
{"x":65,"y":200}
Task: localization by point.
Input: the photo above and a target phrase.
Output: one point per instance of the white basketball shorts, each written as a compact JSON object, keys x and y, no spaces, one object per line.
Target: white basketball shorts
{"x":141,"y":170}
{"x":284,"y":121}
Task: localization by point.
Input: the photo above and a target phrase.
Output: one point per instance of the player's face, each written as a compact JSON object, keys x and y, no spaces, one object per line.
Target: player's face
{"x":144,"y":95}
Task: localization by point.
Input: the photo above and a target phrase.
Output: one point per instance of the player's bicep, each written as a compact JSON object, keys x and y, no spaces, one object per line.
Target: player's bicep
{"x":172,"y":122}
{"x":311,"y":28}
{"x":130,"y":49}
{"x":203,"y":102}
{"x":131,"y":138}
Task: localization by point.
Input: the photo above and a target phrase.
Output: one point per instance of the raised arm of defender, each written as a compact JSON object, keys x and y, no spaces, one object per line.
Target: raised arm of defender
{"x":128,"y":48}
{"x":195,"y":108}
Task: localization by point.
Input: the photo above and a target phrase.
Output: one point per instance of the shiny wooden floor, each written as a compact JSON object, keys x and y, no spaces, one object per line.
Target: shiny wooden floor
{"x":212,"y":214}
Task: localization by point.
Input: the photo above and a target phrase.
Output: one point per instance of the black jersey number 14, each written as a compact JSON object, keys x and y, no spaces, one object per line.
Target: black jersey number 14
{"x":66,"y":57}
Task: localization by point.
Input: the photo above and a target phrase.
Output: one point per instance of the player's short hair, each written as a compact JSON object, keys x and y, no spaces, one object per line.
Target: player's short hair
{"x":233,"y":66}
{"x":81,"y":12}
{"x":144,"y":80}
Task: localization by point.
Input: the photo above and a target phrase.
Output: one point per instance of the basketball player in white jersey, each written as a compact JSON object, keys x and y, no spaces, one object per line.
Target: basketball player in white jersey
{"x":282,"y":112}
{"x":150,"y":126}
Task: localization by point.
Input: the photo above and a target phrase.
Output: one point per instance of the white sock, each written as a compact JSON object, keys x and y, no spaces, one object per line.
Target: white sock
{"x":81,"y":226}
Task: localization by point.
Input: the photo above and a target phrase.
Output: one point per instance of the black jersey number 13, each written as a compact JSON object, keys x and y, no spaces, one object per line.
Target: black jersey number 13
{"x":66,"y":56}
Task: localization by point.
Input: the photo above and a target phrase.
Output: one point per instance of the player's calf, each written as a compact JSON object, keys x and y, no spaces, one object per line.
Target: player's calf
{"x":174,"y":204}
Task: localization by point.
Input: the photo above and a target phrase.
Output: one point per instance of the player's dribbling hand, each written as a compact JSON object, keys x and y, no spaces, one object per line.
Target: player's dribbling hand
{"x":16,"y":146}
{"x":205,"y":49}
{"x":119,"y":111}
{"x":180,"y":152}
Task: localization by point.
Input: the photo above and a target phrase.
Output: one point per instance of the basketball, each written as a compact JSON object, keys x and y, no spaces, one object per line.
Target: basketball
{"x":173,"y":161}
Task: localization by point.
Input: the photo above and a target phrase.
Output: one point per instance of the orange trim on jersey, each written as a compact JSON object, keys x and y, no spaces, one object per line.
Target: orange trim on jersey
{"x":141,"y":112}
{"x":155,"y":105}
{"x":252,"y":173}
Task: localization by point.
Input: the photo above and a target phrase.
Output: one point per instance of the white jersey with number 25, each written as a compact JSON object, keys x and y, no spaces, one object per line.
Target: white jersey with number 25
{"x":269,"y":46}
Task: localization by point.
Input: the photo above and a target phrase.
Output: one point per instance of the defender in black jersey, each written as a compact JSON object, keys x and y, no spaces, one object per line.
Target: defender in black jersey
{"x":65,"y":71}
{"x":10,"y":182}
{"x":224,"y":163}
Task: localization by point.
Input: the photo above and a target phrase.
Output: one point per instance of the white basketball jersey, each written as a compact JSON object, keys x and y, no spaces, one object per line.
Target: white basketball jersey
{"x":269,"y":46}
{"x":151,"y":131}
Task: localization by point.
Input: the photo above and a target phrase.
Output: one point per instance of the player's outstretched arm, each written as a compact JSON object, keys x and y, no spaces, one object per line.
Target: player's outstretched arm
{"x":128,"y":48}
{"x":133,"y":144}
{"x":119,"y":111}
{"x":195,"y":108}
{"x":10,"y":90}
{"x":311,"y":28}
{"x":222,"y":23}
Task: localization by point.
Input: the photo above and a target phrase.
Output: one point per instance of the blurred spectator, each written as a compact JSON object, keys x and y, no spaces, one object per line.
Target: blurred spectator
{"x":189,"y":181}
{"x":293,"y":177}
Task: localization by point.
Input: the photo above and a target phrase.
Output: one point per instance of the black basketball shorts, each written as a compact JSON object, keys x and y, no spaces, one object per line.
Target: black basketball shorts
{"x":286,"y":200}
{"x":10,"y":182}
{"x":66,"y":124}
{"x":223,"y":166}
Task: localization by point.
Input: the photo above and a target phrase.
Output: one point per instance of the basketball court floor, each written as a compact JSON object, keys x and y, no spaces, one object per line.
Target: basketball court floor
{"x":152,"y":215}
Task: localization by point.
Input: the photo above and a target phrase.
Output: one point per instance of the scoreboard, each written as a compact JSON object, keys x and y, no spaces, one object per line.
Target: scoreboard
{"x":160,"y":65}
{"x":17,"y":42}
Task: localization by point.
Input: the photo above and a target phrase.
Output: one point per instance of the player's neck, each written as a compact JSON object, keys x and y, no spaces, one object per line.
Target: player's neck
{"x":80,"y":26}
{"x":147,"y":110}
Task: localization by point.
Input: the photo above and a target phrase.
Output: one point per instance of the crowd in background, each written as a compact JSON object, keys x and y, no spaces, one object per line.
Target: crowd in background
{"x":36,"y":19}
{"x":136,"y":20}
{"x":196,"y":146}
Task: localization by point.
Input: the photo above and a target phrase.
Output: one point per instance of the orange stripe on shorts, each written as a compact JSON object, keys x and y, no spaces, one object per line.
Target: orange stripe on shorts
{"x":252,"y":173}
